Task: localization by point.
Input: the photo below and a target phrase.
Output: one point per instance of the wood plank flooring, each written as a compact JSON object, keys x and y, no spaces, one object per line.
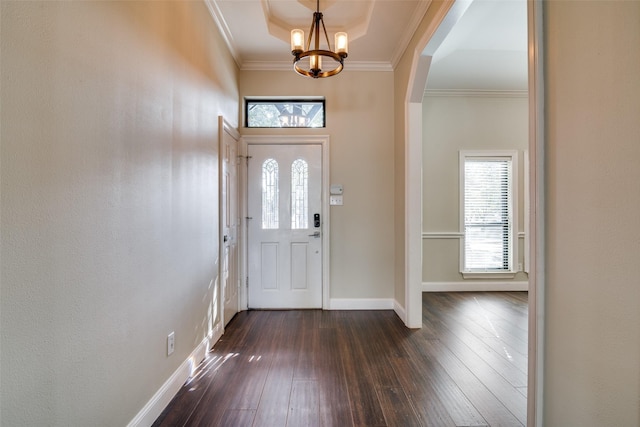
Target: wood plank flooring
{"x":467,"y":366}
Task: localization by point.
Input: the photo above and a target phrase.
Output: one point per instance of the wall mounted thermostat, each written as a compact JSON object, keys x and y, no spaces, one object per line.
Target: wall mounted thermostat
{"x":336,"y":189}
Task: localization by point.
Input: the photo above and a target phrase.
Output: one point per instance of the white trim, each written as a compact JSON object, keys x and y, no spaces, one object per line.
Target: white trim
{"x":400,"y":311}
{"x":410,"y":30}
{"x":491,"y":154}
{"x":367,"y":66}
{"x":154,"y":407}
{"x":536,"y":235}
{"x":224,"y":30}
{"x":361,"y":304}
{"x":413,"y":191}
{"x":226,"y":126}
{"x":442,"y":235}
{"x":488,"y":274}
{"x":283,"y":98}
{"x":527,"y":206}
{"x":266,"y":66}
{"x":242,"y":188}
{"x":479,"y":286}
{"x":476,"y":93}
{"x":323,"y":141}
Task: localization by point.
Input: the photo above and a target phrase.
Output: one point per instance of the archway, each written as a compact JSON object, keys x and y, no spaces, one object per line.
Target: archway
{"x":413,"y":196}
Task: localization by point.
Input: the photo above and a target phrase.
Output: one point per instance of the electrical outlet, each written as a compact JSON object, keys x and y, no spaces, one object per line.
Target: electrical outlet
{"x":520,"y":267}
{"x":171,"y":343}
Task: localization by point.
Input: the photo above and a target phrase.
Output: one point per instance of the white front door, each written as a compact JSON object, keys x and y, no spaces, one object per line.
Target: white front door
{"x":230,"y":219}
{"x":285,"y":226}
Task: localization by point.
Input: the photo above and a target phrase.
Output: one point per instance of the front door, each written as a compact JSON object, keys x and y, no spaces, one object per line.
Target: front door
{"x":230,"y":219}
{"x":285,"y":226}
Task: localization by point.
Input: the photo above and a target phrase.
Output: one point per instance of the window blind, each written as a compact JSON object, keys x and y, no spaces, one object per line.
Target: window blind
{"x":487,"y":214}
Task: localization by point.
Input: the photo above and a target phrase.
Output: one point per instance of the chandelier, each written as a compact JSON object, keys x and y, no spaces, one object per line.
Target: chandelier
{"x":312,"y":59}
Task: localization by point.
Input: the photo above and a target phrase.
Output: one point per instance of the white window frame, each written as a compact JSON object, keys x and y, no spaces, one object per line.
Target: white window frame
{"x":511,"y":155}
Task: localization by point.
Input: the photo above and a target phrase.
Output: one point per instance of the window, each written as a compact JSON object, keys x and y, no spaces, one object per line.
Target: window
{"x":284,"y":113}
{"x":488,"y":212}
{"x":299,"y":194}
{"x":270,"y":194}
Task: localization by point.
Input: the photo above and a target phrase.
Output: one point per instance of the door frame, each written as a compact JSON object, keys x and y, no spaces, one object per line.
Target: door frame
{"x":323,"y":141}
{"x":225,"y":126}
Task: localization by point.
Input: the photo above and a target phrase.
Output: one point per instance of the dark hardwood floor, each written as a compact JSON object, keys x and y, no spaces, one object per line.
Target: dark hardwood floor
{"x":467,"y":366}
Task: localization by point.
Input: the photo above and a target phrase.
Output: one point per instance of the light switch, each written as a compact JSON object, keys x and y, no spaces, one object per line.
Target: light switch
{"x":335,"y":200}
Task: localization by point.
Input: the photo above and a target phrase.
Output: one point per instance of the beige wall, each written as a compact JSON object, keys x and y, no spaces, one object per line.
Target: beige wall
{"x":108,"y":202}
{"x":451,"y":124}
{"x":592,"y":334}
{"x":360,"y":125}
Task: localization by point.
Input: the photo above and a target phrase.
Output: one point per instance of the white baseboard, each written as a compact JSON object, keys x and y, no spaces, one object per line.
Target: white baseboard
{"x":154,"y":407}
{"x":400,"y":311}
{"x":361,"y":304}
{"x":477,"y":286}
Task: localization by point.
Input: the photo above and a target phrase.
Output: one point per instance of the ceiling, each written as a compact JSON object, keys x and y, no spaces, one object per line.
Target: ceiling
{"x":485,"y":50}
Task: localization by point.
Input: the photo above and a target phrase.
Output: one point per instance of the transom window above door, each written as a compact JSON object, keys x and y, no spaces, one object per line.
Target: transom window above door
{"x":284,"y":113}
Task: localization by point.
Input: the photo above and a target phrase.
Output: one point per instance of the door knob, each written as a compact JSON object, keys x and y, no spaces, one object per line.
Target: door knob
{"x":316,"y":234}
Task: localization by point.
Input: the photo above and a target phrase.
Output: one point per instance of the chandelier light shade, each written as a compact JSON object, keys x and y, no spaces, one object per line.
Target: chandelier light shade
{"x":309,"y":62}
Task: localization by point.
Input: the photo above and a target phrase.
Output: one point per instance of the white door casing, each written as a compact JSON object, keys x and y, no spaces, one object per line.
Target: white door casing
{"x":285,"y":238}
{"x":229,"y":221}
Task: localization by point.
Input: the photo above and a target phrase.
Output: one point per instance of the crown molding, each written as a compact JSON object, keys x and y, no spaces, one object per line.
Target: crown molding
{"x":410,"y":29}
{"x":216,"y":14}
{"x":266,"y":65}
{"x":367,"y":66}
{"x":476,"y":93}
{"x":288,"y":66}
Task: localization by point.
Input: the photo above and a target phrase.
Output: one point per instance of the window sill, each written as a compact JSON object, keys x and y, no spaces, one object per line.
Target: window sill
{"x":488,"y":274}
